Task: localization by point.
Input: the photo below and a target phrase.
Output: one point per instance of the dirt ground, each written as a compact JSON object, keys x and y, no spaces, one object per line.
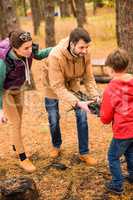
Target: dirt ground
{"x":78,"y":181}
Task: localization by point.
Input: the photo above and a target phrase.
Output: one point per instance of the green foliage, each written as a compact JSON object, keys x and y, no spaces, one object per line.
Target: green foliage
{"x":95,"y":1}
{"x":109,"y":3}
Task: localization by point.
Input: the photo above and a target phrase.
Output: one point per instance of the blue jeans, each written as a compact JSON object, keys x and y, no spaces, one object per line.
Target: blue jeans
{"x":82,"y":127}
{"x":119,"y":147}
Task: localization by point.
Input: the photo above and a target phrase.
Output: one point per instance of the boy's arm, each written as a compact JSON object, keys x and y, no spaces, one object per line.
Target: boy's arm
{"x":106,"y":110}
{"x":40,"y":54}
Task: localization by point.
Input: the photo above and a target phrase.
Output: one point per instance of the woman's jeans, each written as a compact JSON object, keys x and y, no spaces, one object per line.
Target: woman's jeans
{"x":119,"y":147}
{"x":54,"y":117}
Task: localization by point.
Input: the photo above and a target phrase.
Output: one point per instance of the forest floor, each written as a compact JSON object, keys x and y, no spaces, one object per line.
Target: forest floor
{"x":78,"y":181}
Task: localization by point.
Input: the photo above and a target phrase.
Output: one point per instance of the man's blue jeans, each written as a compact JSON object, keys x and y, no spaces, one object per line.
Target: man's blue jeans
{"x":119,"y":147}
{"x":54,"y":117}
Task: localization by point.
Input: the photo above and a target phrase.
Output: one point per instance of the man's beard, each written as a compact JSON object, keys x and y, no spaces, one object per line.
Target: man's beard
{"x":77,"y":55}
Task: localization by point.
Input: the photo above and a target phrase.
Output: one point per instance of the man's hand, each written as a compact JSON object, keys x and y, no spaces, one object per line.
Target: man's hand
{"x":2,"y":117}
{"x":84,"y":105}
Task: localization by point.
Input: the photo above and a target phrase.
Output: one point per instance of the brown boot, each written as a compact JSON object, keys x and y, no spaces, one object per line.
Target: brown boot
{"x":88,"y":159}
{"x":27,"y":165}
{"x":55,"y":152}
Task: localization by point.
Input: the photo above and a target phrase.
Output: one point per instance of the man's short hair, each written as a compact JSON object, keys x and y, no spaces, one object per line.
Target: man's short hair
{"x":78,"y":34}
{"x":118,"y":60}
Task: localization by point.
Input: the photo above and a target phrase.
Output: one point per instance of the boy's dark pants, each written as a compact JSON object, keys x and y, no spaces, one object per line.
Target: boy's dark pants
{"x":119,"y":147}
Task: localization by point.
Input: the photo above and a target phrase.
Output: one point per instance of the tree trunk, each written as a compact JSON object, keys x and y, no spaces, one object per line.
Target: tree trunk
{"x":80,"y":12}
{"x":49,"y":23}
{"x":8,"y":18}
{"x":25,"y":7}
{"x":3,"y":28}
{"x":72,"y":3}
{"x":124,"y":27}
{"x":36,"y":14}
{"x":42,"y":10}
{"x":64,"y":8}
{"x":94,"y":7}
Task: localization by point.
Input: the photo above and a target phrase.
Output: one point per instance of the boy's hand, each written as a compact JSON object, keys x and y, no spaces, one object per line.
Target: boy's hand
{"x":84,"y":105}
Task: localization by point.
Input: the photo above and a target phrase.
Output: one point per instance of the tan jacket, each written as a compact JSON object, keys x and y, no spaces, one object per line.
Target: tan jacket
{"x":63,"y":73}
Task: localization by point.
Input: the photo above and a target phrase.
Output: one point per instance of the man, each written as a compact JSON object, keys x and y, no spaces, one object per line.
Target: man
{"x":68,"y":63}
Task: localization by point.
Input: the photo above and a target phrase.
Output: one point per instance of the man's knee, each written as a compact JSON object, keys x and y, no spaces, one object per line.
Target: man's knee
{"x":54,"y":117}
{"x":81,"y":115}
{"x":51,"y":104}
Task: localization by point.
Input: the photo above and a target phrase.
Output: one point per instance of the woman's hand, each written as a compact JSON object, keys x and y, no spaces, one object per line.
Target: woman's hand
{"x":3,"y":119}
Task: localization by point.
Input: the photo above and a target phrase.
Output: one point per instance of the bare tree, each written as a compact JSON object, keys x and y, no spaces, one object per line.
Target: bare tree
{"x":36,"y":14}
{"x":98,"y":4}
{"x":21,"y":6}
{"x":94,"y":7}
{"x":73,"y":7}
{"x":124,"y":27}
{"x":8,"y":18}
{"x":49,"y":22}
{"x":24,"y":6}
{"x":80,"y":12}
{"x":64,"y":8}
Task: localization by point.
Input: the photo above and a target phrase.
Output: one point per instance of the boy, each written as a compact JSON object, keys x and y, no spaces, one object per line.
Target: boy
{"x":117,"y":107}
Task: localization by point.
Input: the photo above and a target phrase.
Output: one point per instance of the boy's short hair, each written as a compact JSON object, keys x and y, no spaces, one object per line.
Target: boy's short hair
{"x":118,"y":60}
{"x":79,"y":33}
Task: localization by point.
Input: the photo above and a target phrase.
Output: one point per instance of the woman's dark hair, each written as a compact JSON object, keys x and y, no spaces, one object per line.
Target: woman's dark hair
{"x":118,"y":60}
{"x":79,"y":33}
{"x":18,"y":37}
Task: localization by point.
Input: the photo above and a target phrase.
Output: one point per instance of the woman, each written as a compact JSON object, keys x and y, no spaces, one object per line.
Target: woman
{"x":16,"y":54}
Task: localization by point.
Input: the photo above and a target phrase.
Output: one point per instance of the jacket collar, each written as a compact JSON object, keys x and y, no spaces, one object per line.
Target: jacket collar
{"x":13,"y":56}
{"x":65,"y":43}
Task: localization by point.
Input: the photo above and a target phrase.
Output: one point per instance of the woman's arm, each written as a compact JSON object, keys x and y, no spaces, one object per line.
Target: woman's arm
{"x":2,"y":79}
{"x":40,"y":54}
